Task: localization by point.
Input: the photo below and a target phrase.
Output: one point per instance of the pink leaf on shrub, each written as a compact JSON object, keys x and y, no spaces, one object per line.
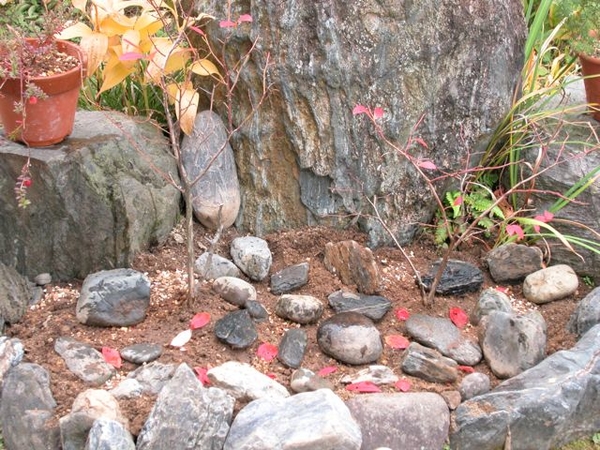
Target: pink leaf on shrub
{"x":326,"y":371}
{"x":363,"y":386}
{"x":427,"y":165}
{"x":360,"y":109}
{"x":378,"y":113}
{"x":515,"y":229}
{"x":245,"y":18}
{"x":267,"y":351}
{"x":458,"y":317}
{"x":112,"y":357}
{"x":421,"y":142}
{"x":402,"y":314}
{"x":227,"y":24}
{"x":182,"y":338}
{"x":197,"y":30}
{"x":466,"y":369}
{"x":131,"y":56}
{"x":397,"y":341}
{"x":545,"y":217}
{"x":199,"y":320}
{"x":33,"y":100}
{"x":202,"y":375}
{"x":458,"y":201}
{"x":402,"y":385}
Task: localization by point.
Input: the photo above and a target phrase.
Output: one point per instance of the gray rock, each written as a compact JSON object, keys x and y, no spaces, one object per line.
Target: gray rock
{"x":208,"y":155}
{"x":108,"y":434}
{"x":452,"y":399}
{"x":303,"y":309}
{"x":141,"y":353}
{"x":11,"y":354}
{"x":83,"y":360}
{"x":309,"y":420}
{"x":305,"y":380}
{"x":153,"y":376}
{"x":474,"y":384}
{"x":257,"y":311}
{"x":319,"y":161}
{"x":187,"y":415}
{"x":128,"y":388}
{"x":587,"y":313}
{"x":552,"y":283}
{"x":372,"y":306}
{"x":26,"y":409}
{"x":350,"y":338}
{"x":88,"y":406}
{"x":234,"y":290}
{"x":544,"y":407}
{"x":117,"y":297}
{"x":374,"y":374}
{"x":428,"y":364}
{"x":103,"y":196}
{"x":354,"y":264}
{"x":15,"y":294}
{"x":252,"y":255}
{"x":459,"y":277}
{"x":512,"y":344}
{"x":292,"y":348}
{"x":289,"y":279}
{"x":490,"y":300}
{"x":511,"y":263}
{"x":442,"y":335}
{"x":425,"y":420}
{"x":236,"y":329}
{"x":244,"y":382}
{"x":43,"y":279}
{"x":211,"y":266}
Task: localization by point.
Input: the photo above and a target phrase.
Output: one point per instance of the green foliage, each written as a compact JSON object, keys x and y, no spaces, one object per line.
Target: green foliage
{"x":581,"y":23}
{"x":31,"y":16}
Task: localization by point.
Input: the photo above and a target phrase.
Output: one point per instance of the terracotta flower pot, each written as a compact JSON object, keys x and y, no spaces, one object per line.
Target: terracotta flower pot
{"x":50,"y":120}
{"x":590,"y":68}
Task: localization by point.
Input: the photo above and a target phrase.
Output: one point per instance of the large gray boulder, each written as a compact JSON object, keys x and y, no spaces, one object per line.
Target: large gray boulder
{"x":15,"y":294}
{"x":96,"y":199}
{"x":303,"y":158}
{"x":544,"y":407}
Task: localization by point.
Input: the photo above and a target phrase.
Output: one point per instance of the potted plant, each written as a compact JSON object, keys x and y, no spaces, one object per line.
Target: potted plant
{"x":40,"y":78}
{"x":581,"y":31}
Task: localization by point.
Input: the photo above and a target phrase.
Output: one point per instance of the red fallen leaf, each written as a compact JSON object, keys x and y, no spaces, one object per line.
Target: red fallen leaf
{"x":397,"y":341}
{"x":466,"y":369}
{"x":201,"y":374}
{"x":402,"y":385}
{"x":503,"y":289}
{"x":199,"y":320}
{"x":363,"y":386}
{"x":267,"y":351}
{"x":458,"y":317}
{"x":112,"y":357}
{"x":402,"y":314}
{"x":326,"y":371}
{"x":272,"y":376}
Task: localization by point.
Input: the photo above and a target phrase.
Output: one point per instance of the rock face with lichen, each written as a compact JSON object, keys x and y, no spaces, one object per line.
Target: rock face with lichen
{"x":444,"y":71}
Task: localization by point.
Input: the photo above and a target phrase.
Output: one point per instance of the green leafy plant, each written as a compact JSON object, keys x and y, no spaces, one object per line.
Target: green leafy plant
{"x":581,"y":24}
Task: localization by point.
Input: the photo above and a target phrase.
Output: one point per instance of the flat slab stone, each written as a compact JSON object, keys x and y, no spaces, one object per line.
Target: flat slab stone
{"x":375,"y":307}
{"x":458,"y":278}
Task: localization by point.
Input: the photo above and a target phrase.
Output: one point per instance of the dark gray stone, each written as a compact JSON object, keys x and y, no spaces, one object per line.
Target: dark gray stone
{"x":459,"y":277}
{"x":441,"y":334}
{"x":372,"y":306}
{"x":117,"y":297}
{"x":15,"y":294}
{"x":108,"y":434}
{"x":350,"y":338}
{"x":309,"y":161}
{"x":512,"y":344}
{"x":257,"y":311}
{"x":83,"y":360}
{"x":187,"y":415}
{"x":309,"y":420}
{"x":208,"y":157}
{"x":141,"y":353}
{"x":236,"y":329}
{"x":587,"y":313}
{"x":428,"y":364}
{"x":26,"y":409}
{"x":490,"y":300}
{"x":425,"y":420}
{"x":290,"y":278}
{"x":474,"y":384}
{"x":511,"y":263}
{"x":544,"y":407}
{"x":292,"y":348}
{"x":97,"y":199}
{"x":42,"y":279}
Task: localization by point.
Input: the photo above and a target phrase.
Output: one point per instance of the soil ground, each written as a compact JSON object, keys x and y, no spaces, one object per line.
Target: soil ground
{"x":169,"y":313}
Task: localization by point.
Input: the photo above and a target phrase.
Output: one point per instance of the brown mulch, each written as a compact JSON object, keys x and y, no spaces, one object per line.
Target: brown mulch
{"x":169,"y":314}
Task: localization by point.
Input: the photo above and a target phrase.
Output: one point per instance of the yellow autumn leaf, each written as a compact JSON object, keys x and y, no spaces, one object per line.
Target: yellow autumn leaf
{"x":204,"y":67}
{"x":115,"y":71}
{"x":186,"y":108}
{"x":164,"y":59}
{"x":76,"y":30}
{"x":95,"y":46}
{"x":79,"y":4}
{"x":116,"y":24}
